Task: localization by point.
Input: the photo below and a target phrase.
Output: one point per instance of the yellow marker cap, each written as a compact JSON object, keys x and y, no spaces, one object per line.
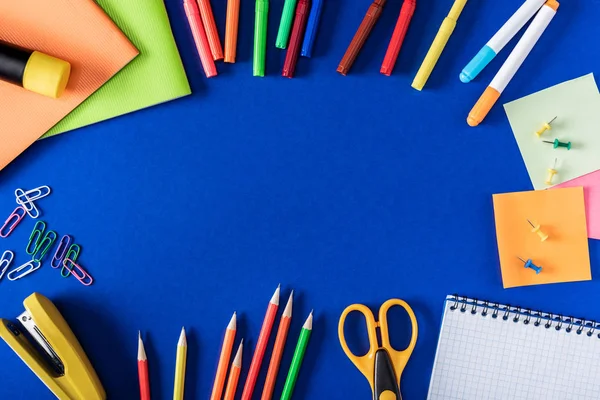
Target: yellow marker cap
{"x":46,"y":75}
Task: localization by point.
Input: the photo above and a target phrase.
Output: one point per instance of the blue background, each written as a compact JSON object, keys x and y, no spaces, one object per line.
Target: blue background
{"x":346,"y":189}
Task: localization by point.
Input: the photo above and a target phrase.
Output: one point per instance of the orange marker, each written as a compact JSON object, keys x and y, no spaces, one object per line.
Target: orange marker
{"x":224,"y":360}
{"x":234,"y":374}
{"x":208,"y":20}
{"x":231,"y":30}
{"x":282,"y":332}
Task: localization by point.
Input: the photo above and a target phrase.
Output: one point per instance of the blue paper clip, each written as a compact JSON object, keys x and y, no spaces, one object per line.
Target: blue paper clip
{"x":72,"y":255}
{"x":312,"y":27}
{"x":44,"y":246}
{"x":59,"y":256}
{"x":35,"y":237}
{"x":12,"y":221}
{"x":30,"y":266}
{"x":5,"y":261}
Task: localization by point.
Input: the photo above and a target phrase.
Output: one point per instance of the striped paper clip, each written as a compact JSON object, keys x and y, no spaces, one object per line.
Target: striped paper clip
{"x":36,"y":236}
{"x":12,"y":221}
{"x":27,"y":198}
{"x":44,"y":246}
{"x":61,"y":251}
{"x":29,"y":267}
{"x":78,"y":272}
{"x":5,"y":261}
{"x":72,"y":254}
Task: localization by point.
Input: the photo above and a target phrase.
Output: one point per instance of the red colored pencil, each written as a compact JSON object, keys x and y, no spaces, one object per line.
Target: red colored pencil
{"x":261,"y":346}
{"x":391,"y":55}
{"x":296,"y":38}
{"x":143,"y":370}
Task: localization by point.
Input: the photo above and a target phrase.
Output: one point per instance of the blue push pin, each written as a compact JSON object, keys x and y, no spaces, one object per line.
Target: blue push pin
{"x":529,"y":264}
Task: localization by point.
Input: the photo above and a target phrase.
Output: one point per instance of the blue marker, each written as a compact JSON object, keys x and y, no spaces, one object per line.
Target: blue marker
{"x":311,"y":28}
{"x":529,"y":264}
{"x":500,"y":39}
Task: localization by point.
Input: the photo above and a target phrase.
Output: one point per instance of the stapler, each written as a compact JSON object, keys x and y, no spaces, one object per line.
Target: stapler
{"x":53,"y":353}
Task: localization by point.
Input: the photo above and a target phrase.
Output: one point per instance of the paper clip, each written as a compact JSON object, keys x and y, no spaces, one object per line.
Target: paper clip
{"x":72,"y":255}
{"x":5,"y":261}
{"x":12,"y":221}
{"x":32,"y":267}
{"x":63,"y":245}
{"x":85,"y":278}
{"x":37,"y":234}
{"x":45,"y":245}
{"x":27,"y":198}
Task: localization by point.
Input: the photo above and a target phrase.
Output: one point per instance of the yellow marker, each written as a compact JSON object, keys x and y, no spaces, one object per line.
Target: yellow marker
{"x":435,"y":51}
{"x":546,"y":127}
{"x":536,"y":229}
{"x":180,"y":367}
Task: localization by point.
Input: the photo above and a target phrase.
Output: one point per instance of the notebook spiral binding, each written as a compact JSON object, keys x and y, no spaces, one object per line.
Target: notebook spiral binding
{"x":524,"y":315}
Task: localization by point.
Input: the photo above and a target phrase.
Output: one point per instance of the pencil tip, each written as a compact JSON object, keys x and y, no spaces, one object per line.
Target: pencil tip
{"x":287,"y":312}
{"x":237,"y":361}
{"x":182,"y":338}
{"x":309,"y":322}
{"x":275,"y":298}
{"x":232,"y":323}
{"x":141,"y":350}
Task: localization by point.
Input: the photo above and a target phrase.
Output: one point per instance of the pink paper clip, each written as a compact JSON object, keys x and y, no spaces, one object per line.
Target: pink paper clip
{"x":85,"y":278}
{"x":13,"y":220}
{"x":59,"y":256}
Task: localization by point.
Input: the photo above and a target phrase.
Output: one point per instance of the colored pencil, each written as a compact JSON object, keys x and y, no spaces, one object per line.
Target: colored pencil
{"x":179,"y":385}
{"x":231,"y":30}
{"x":285,"y":24}
{"x":292,"y":376}
{"x":208,"y":19}
{"x":224,"y":360}
{"x":282,"y":332}
{"x":260,"y":37}
{"x":234,"y":374}
{"x":261,"y":346}
{"x":195,"y":21}
{"x":298,"y":29}
{"x":143,"y":370}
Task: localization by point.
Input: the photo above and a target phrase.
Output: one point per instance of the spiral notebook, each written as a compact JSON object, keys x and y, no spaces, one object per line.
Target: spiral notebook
{"x":492,"y":351}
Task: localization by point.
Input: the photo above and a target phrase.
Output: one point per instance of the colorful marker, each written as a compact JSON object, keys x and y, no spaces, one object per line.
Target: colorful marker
{"x":285,"y":25}
{"x":195,"y":21}
{"x":298,"y":29}
{"x":311,"y":28}
{"x":260,"y":36}
{"x":391,"y":55}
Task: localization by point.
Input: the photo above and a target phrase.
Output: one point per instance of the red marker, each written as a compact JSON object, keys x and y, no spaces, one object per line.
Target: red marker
{"x":193,"y":15}
{"x":391,"y":55}
{"x":296,"y":38}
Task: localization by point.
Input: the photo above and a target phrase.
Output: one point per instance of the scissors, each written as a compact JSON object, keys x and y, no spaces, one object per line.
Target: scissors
{"x":382,"y":365}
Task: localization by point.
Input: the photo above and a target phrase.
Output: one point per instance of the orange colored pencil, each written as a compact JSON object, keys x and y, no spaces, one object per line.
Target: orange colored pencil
{"x":224,"y":360}
{"x":231,"y":30}
{"x":208,"y":20}
{"x":282,"y":332}
{"x":234,"y":374}
{"x":143,"y":370}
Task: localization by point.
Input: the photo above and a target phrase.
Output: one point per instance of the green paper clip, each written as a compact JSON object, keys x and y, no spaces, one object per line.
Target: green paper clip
{"x":72,"y":255}
{"x":44,"y":246}
{"x":37,"y":234}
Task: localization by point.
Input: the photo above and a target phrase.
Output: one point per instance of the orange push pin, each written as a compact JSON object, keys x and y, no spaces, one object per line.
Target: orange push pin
{"x":551,"y":172}
{"x":546,"y":127}
{"x":536,"y":229}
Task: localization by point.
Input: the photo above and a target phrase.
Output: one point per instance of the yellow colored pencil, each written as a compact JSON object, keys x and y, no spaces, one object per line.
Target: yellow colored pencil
{"x":179,"y":386}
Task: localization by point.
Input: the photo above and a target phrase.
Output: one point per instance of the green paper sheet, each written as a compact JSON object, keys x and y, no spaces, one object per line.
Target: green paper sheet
{"x":153,"y":77}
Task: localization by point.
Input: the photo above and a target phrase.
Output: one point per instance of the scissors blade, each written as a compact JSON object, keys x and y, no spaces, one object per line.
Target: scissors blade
{"x":386,"y":386}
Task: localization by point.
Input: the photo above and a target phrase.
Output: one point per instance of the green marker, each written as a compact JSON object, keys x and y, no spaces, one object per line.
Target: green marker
{"x":260,"y":36}
{"x":292,"y":376}
{"x":285,"y":25}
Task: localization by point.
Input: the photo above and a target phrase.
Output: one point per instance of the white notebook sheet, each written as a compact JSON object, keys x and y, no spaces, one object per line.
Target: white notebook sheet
{"x":492,"y":351}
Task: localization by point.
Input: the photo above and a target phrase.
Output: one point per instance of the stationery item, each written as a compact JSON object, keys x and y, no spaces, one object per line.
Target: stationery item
{"x":285,"y":24}
{"x":208,"y":20}
{"x":546,"y":127}
{"x":278,"y":347}
{"x":143,"y":370}
{"x":57,"y":357}
{"x":591,"y":195}
{"x":260,"y":37}
{"x":27,"y":199}
{"x":500,"y":39}
{"x":382,"y":365}
{"x":153,"y":77}
{"x":44,"y":246}
{"x":61,"y":251}
{"x":5,"y":261}
{"x":298,"y":29}
{"x":33,"y":70}
{"x":361,"y":35}
{"x":261,"y":346}
{"x":312,"y":27}
{"x":27,"y":268}
{"x":557,"y":143}
{"x":195,"y":21}
{"x":577,"y":102}
{"x":234,"y":375}
{"x":12,"y":221}
{"x":226,"y":350}
{"x":231,"y":30}
{"x":567,"y":259}
{"x":393,"y":50}
{"x":488,"y":350}
{"x":77,"y":32}
{"x":78,"y":272}
{"x":292,"y":377}
{"x":438,"y":45}
{"x":512,"y":64}
{"x":73,"y":255}
{"x":529,"y":264}
{"x":551,"y":172}
{"x":537,"y":230}
{"x":180,"y":367}
{"x":35,"y":237}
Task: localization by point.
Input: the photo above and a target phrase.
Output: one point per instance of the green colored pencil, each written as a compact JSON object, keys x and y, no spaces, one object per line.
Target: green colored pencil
{"x":285,"y":25}
{"x":260,"y":36}
{"x":292,"y":376}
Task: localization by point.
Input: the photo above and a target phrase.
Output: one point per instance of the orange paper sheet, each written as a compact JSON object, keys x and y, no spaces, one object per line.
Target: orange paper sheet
{"x":564,"y":256}
{"x":76,"y":31}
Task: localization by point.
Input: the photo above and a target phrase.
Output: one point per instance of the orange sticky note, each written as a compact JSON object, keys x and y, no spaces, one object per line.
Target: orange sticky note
{"x":75,"y":31}
{"x":564,"y":256}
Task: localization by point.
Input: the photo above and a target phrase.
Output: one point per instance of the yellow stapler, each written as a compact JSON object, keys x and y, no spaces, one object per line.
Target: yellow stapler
{"x":54,"y":354}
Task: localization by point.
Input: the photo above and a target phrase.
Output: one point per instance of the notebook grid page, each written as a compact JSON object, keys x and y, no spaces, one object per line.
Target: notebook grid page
{"x":481,"y":357}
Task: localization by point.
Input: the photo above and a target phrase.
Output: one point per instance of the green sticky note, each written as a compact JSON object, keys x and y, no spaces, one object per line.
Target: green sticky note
{"x":155,"y":76}
{"x":576,"y":106}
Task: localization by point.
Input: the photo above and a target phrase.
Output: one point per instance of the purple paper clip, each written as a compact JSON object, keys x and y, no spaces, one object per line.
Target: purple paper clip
{"x":12,"y":221}
{"x":59,"y":256}
{"x":85,"y":278}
